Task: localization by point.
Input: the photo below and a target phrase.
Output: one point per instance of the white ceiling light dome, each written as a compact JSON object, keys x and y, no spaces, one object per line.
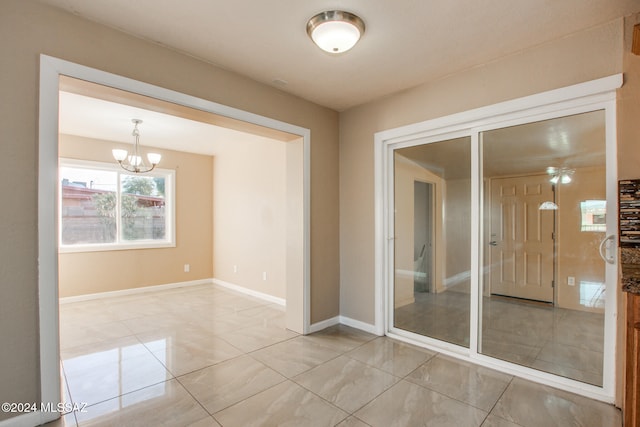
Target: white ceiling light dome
{"x":335,"y":31}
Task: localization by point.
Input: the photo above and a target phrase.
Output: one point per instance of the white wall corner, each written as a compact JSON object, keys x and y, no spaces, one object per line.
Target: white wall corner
{"x":324,"y":324}
{"x":366,"y":327}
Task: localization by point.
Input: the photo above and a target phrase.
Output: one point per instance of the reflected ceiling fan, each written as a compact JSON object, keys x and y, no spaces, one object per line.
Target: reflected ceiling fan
{"x":560,"y":175}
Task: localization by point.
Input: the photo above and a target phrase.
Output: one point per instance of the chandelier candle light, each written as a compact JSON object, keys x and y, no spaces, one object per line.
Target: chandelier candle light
{"x":134,"y":162}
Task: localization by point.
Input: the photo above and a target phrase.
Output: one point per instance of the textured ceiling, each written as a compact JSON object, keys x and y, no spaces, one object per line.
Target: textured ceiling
{"x":406,"y":43}
{"x":576,"y":141}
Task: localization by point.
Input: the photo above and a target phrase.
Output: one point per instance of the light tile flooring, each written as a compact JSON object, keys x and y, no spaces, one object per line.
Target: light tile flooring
{"x":564,"y":342}
{"x":205,"y":356}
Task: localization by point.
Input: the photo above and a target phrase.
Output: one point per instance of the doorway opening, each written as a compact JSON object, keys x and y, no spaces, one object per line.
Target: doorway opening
{"x":296,"y":252}
{"x":423,"y":213}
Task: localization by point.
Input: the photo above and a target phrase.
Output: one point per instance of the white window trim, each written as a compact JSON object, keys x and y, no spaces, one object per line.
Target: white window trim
{"x":170,"y":206}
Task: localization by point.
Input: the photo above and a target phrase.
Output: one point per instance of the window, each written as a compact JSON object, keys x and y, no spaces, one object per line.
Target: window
{"x":103,"y":207}
{"x":594,"y":215}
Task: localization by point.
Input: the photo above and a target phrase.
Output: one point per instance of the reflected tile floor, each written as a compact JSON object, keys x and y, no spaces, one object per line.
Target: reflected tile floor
{"x":218,"y":358}
{"x":559,"y":341}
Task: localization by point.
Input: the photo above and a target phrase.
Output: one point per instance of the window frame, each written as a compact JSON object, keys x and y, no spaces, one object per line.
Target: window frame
{"x":120,"y":244}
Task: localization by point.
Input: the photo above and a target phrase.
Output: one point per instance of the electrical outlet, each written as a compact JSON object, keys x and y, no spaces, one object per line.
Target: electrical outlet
{"x":187,"y":268}
{"x":571,"y":281}
{"x":264,"y":275}
{"x":235,"y":268}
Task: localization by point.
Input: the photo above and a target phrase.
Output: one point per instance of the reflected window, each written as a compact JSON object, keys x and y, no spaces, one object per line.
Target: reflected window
{"x":593,"y":215}
{"x":592,"y":294}
{"x":119,"y":371}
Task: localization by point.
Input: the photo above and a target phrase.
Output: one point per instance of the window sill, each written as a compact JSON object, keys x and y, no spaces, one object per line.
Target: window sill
{"x":115,"y":247}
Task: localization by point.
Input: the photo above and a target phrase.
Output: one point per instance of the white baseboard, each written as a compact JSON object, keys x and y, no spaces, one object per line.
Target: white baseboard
{"x":343,"y":320}
{"x":366,"y":327}
{"x":133,"y":291}
{"x":324,"y":324}
{"x":251,"y":292}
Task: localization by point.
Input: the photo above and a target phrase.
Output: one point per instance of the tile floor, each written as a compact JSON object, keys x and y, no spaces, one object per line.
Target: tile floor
{"x":564,"y":342}
{"x":205,"y":356}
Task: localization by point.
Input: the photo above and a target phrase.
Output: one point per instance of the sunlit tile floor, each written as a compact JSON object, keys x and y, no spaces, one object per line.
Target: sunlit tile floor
{"x":205,"y":356}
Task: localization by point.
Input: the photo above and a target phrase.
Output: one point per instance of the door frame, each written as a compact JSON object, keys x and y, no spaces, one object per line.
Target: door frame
{"x":50,"y":70}
{"x":598,"y":94}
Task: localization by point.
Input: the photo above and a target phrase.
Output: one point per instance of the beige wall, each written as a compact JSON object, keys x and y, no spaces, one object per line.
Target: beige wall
{"x":457,"y":225}
{"x":83,"y":273}
{"x":250,"y":215}
{"x":578,"y":251}
{"x":629,"y":108}
{"x":28,"y":29}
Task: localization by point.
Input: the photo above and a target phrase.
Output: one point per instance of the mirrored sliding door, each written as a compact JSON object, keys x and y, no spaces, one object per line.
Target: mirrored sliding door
{"x":544,"y":218}
{"x":497,"y":236}
{"x":432,"y":228}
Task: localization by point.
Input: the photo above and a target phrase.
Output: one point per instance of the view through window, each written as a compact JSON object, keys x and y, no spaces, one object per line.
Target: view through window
{"x":102,"y":206}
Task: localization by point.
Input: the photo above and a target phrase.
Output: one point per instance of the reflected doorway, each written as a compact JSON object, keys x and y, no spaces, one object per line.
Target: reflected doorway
{"x":423,"y":236}
{"x":432,"y":189}
{"x":543,"y":302}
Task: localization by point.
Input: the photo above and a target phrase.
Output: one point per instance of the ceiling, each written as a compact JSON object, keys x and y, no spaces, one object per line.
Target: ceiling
{"x":105,"y":120}
{"x":571,"y":142}
{"x":99,"y":112}
{"x":406,"y":42}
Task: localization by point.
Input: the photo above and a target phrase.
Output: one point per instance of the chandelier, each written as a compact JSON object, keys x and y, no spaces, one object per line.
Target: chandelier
{"x":135,"y":162}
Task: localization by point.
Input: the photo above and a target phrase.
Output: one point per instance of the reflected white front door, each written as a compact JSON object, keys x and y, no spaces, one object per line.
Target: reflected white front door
{"x":522,"y":238}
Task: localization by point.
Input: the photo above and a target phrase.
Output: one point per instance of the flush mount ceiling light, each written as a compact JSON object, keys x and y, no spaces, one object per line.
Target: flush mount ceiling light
{"x":134,"y":162}
{"x":335,"y":31}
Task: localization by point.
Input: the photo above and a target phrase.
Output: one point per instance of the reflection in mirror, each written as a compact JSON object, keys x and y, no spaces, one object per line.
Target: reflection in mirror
{"x":432,"y":246}
{"x":544,"y":217}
